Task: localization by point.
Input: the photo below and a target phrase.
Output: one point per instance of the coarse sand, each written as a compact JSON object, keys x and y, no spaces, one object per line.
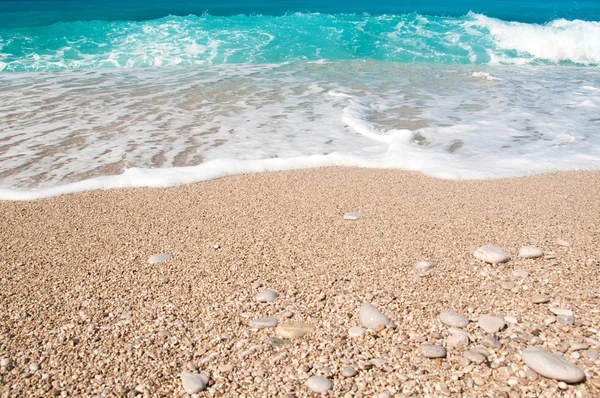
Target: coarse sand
{"x":83,"y":313}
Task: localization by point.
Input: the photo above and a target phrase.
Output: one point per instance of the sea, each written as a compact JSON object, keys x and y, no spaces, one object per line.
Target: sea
{"x":98,"y":94}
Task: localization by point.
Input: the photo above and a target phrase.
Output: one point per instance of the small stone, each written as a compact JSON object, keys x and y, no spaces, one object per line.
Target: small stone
{"x":356,"y":331}
{"x":371,"y":318}
{"x":540,"y":299}
{"x":265,"y":322}
{"x":432,"y":351}
{"x":354,"y":215}
{"x":458,"y":341}
{"x":266,"y":296}
{"x":348,"y":372}
{"x":164,"y":333}
{"x":520,"y":273}
{"x":454,"y":319}
{"x":575,"y":346}
{"x":193,"y":382}
{"x":562,"y":385}
{"x":475,"y":356}
{"x":565,"y":319}
{"x":319,"y":384}
{"x":293,"y":330}
{"x":256,"y":285}
{"x":592,"y":354}
{"x":163,"y":278}
{"x":424,"y":265}
{"x":159,"y":258}
{"x":511,"y":319}
{"x":288,"y":314}
{"x":491,"y":254}
{"x":491,"y":342}
{"x":491,"y":324}
{"x":552,"y":366}
{"x":508,"y":285}
{"x":6,"y":363}
{"x":531,"y":374}
{"x":562,"y":242}
{"x":550,"y":320}
{"x":530,"y":252}
{"x":277,"y":342}
{"x":561,"y":311}
{"x":34,"y":367}
{"x":226,"y":368}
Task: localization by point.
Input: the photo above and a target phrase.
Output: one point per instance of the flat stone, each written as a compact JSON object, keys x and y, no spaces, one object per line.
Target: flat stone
{"x":562,"y":242}
{"x":354,"y":215}
{"x":293,"y":330}
{"x":256,"y":285}
{"x":319,"y":384}
{"x":34,"y":367}
{"x":277,"y":342}
{"x":575,"y":346}
{"x":508,"y":285}
{"x":511,"y":319}
{"x":193,"y":383}
{"x":159,"y":258}
{"x":561,"y":311}
{"x":348,"y":372}
{"x":265,"y":322}
{"x":540,"y":299}
{"x":592,"y":354}
{"x":458,"y":341}
{"x":371,"y":318}
{"x":475,"y":356}
{"x":491,"y":324}
{"x":552,"y":366}
{"x":491,"y":254}
{"x":520,"y":273}
{"x":490,"y":342}
{"x":424,"y":265}
{"x":356,"y":331}
{"x":266,"y":296}
{"x":454,"y":319}
{"x":565,"y":319}
{"x":530,"y":252}
{"x":432,"y":351}
{"x":6,"y":362}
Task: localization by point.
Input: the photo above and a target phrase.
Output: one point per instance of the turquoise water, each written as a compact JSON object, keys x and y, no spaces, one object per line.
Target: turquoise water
{"x":103,"y":94}
{"x":55,"y":35}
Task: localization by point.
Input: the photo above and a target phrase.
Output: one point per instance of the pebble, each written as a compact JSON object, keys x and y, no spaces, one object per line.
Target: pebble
{"x":34,"y":367}
{"x":575,"y":346}
{"x":491,"y":342}
{"x":552,"y":366}
{"x":265,"y":322}
{"x":562,"y":385}
{"x":159,"y":258}
{"x":561,"y":311}
{"x":550,"y":320}
{"x":458,"y":341}
{"x":354,"y":215}
{"x":424,"y":265}
{"x":565,"y":319}
{"x":6,"y":363}
{"x":371,"y":318}
{"x":356,"y":331}
{"x":432,"y":351}
{"x":267,"y":296}
{"x":562,"y":242}
{"x":348,"y":372}
{"x":592,"y":354}
{"x":511,"y":319}
{"x":193,"y":382}
{"x":491,"y":324}
{"x":256,"y":285}
{"x":288,"y":314}
{"x":475,"y":356}
{"x":293,"y":330}
{"x":454,"y":319}
{"x":491,"y":254}
{"x":530,"y":252}
{"x":595,"y":382}
{"x":509,"y":285}
{"x":319,"y":384}
{"x":540,"y":299}
{"x":520,"y":273}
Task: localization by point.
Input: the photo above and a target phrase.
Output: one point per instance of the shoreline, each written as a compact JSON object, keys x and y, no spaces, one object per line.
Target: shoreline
{"x":80,"y":300}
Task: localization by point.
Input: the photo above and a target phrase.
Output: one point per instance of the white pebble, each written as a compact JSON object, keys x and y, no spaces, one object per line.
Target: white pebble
{"x":530,"y":252}
{"x":371,"y":318}
{"x":432,"y":351}
{"x":356,"y":331}
{"x":193,"y":382}
{"x":319,"y":384}
{"x":491,"y":324}
{"x":491,"y":254}
{"x":267,"y":296}
{"x":265,"y":322}
{"x":552,"y":366}
{"x":451,"y":318}
{"x":354,"y":215}
{"x":159,"y":258}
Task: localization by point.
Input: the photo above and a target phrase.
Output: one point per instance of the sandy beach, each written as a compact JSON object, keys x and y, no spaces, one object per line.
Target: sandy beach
{"x":83,"y":313}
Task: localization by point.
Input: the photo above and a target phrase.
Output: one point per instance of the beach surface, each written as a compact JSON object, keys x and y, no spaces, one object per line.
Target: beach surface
{"x":84,"y":313}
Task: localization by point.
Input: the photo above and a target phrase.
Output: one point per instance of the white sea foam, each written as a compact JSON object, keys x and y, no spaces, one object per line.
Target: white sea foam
{"x":80,"y":130}
{"x":560,"y":40}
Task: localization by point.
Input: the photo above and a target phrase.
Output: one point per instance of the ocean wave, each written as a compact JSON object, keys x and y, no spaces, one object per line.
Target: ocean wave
{"x":207,"y":39}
